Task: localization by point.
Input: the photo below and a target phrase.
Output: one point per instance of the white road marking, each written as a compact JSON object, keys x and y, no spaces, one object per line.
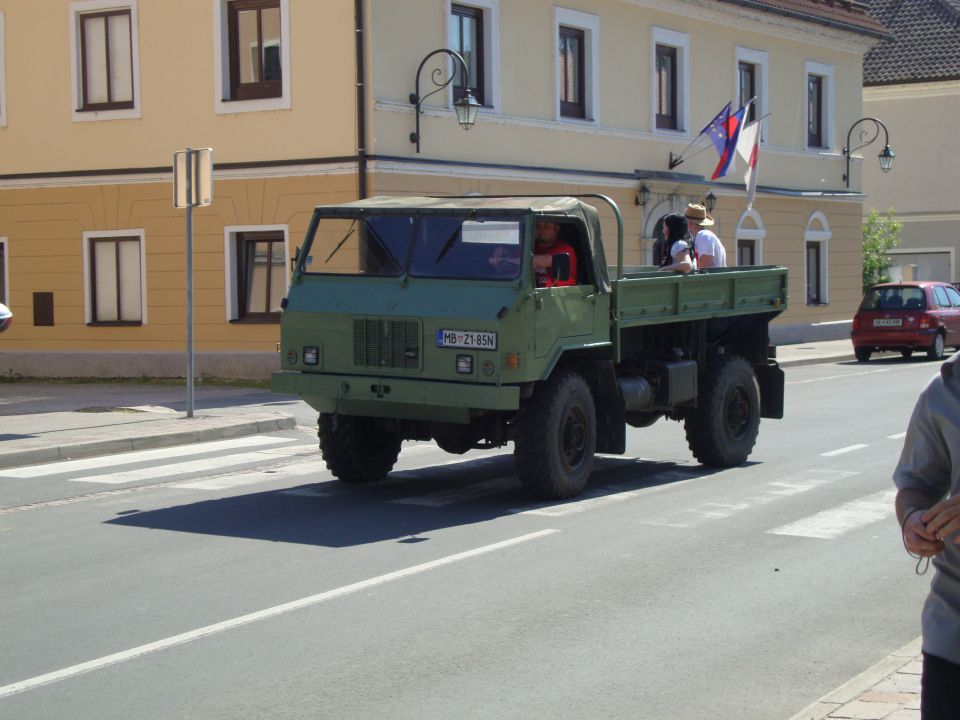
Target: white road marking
{"x":848,"y":375}
{"x":235,"y":480}
{"x":844,"y":450}
{"x":253,"y":617}
{"x":898,"y":436}
{"x":838,"y":521}
{"x":168,"y":454}
{"x":173,"y":470}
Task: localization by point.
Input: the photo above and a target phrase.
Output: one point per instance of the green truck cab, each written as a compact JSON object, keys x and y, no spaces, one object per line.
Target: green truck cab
{"x":420,"y":318}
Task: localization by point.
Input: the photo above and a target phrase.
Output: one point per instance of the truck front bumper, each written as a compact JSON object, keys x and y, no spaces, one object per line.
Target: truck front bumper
{"x":399,"y":398}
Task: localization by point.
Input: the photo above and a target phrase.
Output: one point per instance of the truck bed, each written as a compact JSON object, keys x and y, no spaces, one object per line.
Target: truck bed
{"x":644,"y":296}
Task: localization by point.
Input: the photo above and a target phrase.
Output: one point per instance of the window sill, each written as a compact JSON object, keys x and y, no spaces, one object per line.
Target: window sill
{"x":107,"y":323}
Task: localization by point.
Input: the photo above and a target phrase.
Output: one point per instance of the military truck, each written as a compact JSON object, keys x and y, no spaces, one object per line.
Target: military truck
{"x":403,"y":320}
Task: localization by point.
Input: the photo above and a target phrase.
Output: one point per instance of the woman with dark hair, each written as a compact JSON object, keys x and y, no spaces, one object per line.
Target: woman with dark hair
{"x":676,"y":256}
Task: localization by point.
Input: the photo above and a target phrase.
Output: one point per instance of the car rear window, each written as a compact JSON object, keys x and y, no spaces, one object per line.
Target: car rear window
{"x":895,"y":297}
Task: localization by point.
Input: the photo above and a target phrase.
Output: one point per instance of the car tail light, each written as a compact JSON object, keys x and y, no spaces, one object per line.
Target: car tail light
{"x":926,"y":321}
{"x":856,"y":321}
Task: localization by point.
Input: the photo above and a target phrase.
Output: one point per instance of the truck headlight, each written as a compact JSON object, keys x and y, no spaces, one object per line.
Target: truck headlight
{"x":465,"y":364}
{"x":311,"y":355}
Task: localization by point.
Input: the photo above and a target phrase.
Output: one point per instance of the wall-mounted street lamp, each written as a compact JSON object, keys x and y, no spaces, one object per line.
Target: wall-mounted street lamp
{"x":642,"y":196}
{"x":886,"y":155}
{"x":466,"y":107}
{"x":710,"y":201}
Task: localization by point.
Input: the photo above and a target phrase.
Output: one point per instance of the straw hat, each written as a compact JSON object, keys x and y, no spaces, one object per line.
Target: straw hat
{"x":698,"y":213}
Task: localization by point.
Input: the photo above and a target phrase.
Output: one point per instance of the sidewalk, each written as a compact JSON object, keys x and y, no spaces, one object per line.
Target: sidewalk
{"x":41,"y":422}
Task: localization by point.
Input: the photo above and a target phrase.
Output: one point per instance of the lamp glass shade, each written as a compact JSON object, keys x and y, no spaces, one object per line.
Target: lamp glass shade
{"x":466,"y":109}
{"x":886,"y":159}
{"x":710,"y":201}
{"x":643,"y":194}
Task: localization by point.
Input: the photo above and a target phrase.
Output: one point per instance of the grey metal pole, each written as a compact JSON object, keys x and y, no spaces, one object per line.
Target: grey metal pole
{"x":190,"y":162}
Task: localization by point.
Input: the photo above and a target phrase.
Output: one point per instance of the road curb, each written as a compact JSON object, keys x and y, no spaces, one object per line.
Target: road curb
{"x":796,"y":362}
{"x":822,"y":708}
{"x":92,"y":448}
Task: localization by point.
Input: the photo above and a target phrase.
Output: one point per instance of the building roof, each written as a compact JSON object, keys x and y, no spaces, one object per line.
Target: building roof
{"x":848,"y":15}
{"x":925,"y":46}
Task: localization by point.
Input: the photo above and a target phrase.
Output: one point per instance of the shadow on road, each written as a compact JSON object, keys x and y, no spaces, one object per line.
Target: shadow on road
{"x":404,"y":507}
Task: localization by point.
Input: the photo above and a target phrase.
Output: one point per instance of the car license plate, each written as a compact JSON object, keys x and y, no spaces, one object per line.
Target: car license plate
{"x":467,"y":339}
{"x":888,"y":322}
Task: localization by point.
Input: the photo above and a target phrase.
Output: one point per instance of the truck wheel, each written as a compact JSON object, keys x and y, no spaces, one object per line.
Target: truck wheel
{"x":721,"y":432}
{"x":556,"y":438}
{"x":358,"y":449}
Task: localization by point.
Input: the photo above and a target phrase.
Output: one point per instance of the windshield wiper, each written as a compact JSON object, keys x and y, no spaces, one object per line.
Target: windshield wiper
{"x":448,"y":244}
{"x":340,"y":244}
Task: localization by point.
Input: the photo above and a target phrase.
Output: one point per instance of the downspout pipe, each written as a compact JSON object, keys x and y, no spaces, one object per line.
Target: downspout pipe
{"x":361,"y":103}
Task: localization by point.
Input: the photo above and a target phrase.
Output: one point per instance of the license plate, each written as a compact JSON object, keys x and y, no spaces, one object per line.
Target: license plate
{"x":467,"y":339}
{"x":888,"y":322}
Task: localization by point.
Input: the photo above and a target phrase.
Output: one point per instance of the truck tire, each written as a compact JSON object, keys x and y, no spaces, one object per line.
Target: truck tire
{"x":358,"y":449}
{"x":556,"y":437}
{"x":722,"y":430}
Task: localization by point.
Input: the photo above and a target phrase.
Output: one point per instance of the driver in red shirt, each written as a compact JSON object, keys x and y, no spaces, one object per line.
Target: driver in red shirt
{"x":546,"y":246}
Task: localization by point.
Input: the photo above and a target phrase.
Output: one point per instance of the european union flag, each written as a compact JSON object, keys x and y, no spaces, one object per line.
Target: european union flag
{"x":716,"y":129}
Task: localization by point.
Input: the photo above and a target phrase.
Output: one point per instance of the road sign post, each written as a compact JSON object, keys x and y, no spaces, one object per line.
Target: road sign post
{"x":192,"y":187}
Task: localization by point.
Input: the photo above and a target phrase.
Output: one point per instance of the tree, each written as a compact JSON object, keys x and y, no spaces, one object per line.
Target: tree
{"x":880,"y":235}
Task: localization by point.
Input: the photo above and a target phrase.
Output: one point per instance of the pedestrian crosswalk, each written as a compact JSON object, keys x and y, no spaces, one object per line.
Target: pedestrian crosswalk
{"x":427,"y":479}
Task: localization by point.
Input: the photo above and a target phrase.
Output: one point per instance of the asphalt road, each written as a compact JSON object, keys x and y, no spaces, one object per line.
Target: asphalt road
{"x":244,"y":583}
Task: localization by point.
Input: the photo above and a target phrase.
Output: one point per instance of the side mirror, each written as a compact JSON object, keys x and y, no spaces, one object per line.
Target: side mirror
{"x":560,"y":270}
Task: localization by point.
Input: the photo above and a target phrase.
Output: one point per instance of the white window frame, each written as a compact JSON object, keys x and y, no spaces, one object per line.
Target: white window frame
{"x":230,"y":232}
{"x":681,"y":42}
{"x":491,"y":49}
{"x":76,"y":66}
{"x":758,"y":234}
{"x":5,"y":296}
{"x":761,"y":61}
{"x":590,"y":25}
{"x":822,"y":236}
{"x":3,"y":73}
{"x":88,"y":281}
{"x":826,"y":72}
{"x":221,"y":65}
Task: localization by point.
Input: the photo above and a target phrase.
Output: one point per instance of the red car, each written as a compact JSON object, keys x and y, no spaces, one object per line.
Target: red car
{"x":907,"y":316}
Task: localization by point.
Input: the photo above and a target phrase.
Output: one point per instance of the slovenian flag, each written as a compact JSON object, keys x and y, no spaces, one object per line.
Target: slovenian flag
{"x":732,"y":129}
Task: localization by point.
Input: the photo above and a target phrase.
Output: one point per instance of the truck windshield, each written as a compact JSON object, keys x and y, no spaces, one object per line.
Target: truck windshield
{"x":426,"y":246}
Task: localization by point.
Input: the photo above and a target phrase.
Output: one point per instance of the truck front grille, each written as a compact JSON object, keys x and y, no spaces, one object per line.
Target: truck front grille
{"x":392,"y":344}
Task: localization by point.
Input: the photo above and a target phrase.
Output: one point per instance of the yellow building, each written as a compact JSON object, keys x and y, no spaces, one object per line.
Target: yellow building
{"x":308,"y":101}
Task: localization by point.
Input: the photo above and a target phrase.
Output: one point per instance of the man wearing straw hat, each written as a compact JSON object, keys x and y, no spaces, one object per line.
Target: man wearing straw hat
{"x":706,"y":246}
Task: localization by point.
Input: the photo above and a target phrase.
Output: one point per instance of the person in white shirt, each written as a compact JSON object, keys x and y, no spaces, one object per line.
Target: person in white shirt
{"x":707,"y":249}
{"x":676,"y":250}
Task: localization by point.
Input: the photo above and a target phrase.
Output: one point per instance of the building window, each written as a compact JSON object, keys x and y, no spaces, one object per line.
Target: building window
{"x":750,"y":236}
{"x":252,"y":42}
{"x":4,"y":298}
{"x":816,"y":239}
{"x":114,"y":272}
{"x":819,"y":106}
{"x":466,"y":38}
{"x":578,"y":72}
{"x":814,"y":111}
{"x":669,"y":81}
{"x":571,"y":73}
{"x":262,"y":274}
{"x":256,"y":272}
{"x":666,"y":87}
{"x":752,"y":83}
{"x":256,"y":68}
{"x":105,"y":60}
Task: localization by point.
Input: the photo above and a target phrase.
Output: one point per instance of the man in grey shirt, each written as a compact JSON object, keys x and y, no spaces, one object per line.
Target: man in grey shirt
{"x":928,"y":508}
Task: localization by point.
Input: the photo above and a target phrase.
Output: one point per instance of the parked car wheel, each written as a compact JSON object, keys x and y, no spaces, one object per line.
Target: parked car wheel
{"x":862,"y":354}
{"x":935,"y":351}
